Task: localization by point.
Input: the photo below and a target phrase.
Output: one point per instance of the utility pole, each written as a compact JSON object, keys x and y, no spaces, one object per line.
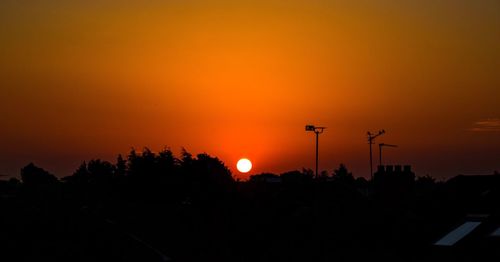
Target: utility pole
{"x":380,"y":150}
{"x":317,"y":130}
{"x":371,"y":138}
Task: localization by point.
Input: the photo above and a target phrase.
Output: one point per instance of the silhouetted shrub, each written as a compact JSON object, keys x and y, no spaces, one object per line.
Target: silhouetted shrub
{"x":297,"y":177}
{"x":342,"y":175}
{"x":32,"y":175}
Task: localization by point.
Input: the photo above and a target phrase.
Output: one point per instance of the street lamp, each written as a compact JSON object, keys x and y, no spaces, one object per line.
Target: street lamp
{"x":317,"y":130}
{"x":372,"y":137}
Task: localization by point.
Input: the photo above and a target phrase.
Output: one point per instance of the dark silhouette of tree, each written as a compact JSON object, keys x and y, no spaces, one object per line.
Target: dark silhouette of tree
{"x":14,"y":182}
{"x":133,"y":164}
{"x":167,"y":163}
{"x":10,"y":186}
{"x":308,"y":173}
{"x":362,"y":185}
{"x":425,"y":180}
{"x":187,"y":172}
{"x":186,"y":158}
{"x":32,"y":175}
{"x":168,"y":167}
{"x":297,"y":177}
{"x":100,"y":170}
{"x":96,"y":171}
{"x":425,"y":186}
{"x":121,"y":166}
{"x":39,"y":186}
{"x":80,"y":176}
{"x":191,"y":208}
{"x":264,"y":177}
{"x":146,"y":165}
{"x":150,"y":166}
{"x":342,"y":175}
{"x":210,"y":173}
{"x":323,"y":176}
{"x":92,"y":182}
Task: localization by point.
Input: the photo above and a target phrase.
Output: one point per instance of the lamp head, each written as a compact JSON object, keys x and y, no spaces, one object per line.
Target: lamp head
{"x":310,"y":128}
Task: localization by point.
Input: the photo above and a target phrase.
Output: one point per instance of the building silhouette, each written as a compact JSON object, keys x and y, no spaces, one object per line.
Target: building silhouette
{"x":394,"y":181}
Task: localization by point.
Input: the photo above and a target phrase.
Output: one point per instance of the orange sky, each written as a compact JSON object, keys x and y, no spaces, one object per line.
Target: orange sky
{"x":82,"y":80}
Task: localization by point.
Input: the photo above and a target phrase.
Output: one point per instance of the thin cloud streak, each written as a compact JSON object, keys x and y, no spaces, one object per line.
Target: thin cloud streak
{"x":487,"y":125}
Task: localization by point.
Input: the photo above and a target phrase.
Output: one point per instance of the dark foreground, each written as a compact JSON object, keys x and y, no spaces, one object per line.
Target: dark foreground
{"x":150,"y":217}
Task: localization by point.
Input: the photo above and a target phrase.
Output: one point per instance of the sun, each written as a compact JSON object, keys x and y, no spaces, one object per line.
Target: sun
{"x":244,"y":165}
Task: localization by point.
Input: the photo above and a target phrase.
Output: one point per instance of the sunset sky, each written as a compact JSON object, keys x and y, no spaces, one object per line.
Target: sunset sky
{"x":90,"y":79}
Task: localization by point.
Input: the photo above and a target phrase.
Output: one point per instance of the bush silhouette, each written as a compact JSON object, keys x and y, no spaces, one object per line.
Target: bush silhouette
{"x":32,"y":175}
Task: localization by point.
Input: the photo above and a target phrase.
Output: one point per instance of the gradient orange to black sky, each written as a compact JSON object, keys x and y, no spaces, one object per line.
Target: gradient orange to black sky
{"x":91,"y":79}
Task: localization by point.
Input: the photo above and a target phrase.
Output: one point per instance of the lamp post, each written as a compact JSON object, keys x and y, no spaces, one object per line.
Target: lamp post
{"x":317,"y":130}
{"x":372,"y":137}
